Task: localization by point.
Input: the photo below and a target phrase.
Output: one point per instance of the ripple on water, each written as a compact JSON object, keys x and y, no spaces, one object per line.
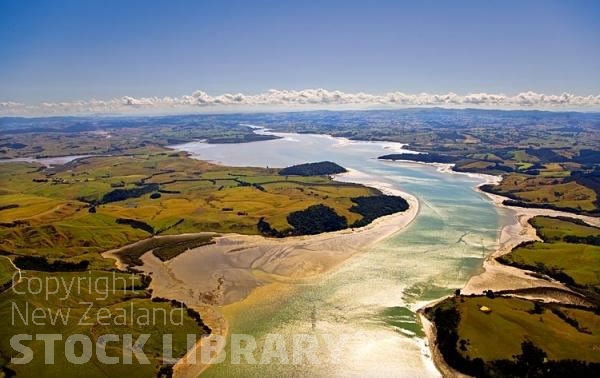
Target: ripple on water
{"x":373,"y":295}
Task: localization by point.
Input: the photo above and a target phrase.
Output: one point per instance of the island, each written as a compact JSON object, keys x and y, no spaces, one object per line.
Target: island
{"x":313,"y":169}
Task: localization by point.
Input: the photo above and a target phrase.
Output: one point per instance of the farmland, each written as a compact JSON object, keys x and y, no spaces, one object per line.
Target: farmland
{"x":480,"y":335}
{"x":78,"y":210}
{"x":563,"y":253}
{"x":116,"y":304}
{"x":487,"y":343}
{"x":550,"y":159}
{"x":56,"y":221}
{"x":59,"y":136}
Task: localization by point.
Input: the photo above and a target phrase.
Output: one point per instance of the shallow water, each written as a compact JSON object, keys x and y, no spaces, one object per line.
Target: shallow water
{"x":373,"y":296}
{"x":48,"y":162}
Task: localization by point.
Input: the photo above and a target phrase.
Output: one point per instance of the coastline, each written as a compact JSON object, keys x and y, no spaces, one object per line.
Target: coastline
{"x":248,"y":261}
{"x":245,"y":262}
{"x":496,"y":276}
{"x":252,"y":271}
{"x":428,"y":326}
{"x":222,"y":278}
{"x":489,"y":279}
{"x":431,"y":336}
{"x":190,"y":365}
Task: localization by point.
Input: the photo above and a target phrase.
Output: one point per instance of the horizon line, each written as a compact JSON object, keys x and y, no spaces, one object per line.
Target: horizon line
{"x":274,"y":100}
{"x":238,"y":112}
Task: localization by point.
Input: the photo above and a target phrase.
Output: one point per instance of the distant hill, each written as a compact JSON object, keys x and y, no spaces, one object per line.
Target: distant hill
{"x":313,"y":169}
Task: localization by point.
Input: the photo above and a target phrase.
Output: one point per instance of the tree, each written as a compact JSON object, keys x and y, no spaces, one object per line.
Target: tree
{"x":531,"y":361}
{"x":537,"y":308}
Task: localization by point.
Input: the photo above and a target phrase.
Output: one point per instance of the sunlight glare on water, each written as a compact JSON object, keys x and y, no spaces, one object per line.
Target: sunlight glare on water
{"x":372,"y":296}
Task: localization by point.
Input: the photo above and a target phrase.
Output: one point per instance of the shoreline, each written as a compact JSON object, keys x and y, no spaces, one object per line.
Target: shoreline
{"x":509,"y":236}
{"x":497,"y":276}
{"x":245,"y":262}
{"x":190,"y":365}
{"x":272,"y":266}
{"x":428,"y":326}
{"x":215,"y":279}
{"x":431,"y":338}
{"x":114,"y":253}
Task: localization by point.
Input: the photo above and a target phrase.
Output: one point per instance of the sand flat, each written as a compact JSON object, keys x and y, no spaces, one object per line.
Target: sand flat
{"x":227,"y":271}
{"x":497,"y":276}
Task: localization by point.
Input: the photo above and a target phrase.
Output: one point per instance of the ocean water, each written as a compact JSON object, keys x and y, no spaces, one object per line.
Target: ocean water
{"x":371,"y":298}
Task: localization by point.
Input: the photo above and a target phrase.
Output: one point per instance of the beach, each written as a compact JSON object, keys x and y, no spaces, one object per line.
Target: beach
{"x":497,"y":276}
{"x":215,"y":278}
{"x":228,"y":270}
{"x":500,"y":277}
{"x":240,"y":272}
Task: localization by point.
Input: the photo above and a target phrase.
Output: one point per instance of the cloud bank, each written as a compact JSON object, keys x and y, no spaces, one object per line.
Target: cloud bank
{"x":298,"y":99}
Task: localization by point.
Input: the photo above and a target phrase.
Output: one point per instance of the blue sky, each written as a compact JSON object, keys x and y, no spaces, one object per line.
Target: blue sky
{"x":71,"y":50}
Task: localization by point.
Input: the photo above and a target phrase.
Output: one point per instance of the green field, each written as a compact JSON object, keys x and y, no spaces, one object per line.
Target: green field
{"x":481,"y":335}
{"x":551,"y":229}
{"x":49,"y":212}
{"x":504,"y":337}
{"x":110,"y":299}
{"x":573,"y":263}
{"x":116,"y":137}
{"x":578,"y":261}
{"x":548,"y":188}
{"x":499,"y":334}
{"x":6,"y":270}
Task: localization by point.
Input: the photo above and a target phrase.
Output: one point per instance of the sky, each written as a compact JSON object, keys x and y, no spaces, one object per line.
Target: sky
{"x":105,"y":55}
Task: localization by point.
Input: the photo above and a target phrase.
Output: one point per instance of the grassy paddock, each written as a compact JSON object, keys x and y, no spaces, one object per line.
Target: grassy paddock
{"x":499,"y":334}
{"x":578,"y":261}
{"x":59,"y":212}
{"x":92,"y":322}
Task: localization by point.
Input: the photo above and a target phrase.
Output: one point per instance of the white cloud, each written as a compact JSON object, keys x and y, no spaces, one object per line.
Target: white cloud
{"x":299,"y":99}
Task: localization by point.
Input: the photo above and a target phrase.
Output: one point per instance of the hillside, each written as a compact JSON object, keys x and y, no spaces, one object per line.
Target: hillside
{"x":313,"y":169}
